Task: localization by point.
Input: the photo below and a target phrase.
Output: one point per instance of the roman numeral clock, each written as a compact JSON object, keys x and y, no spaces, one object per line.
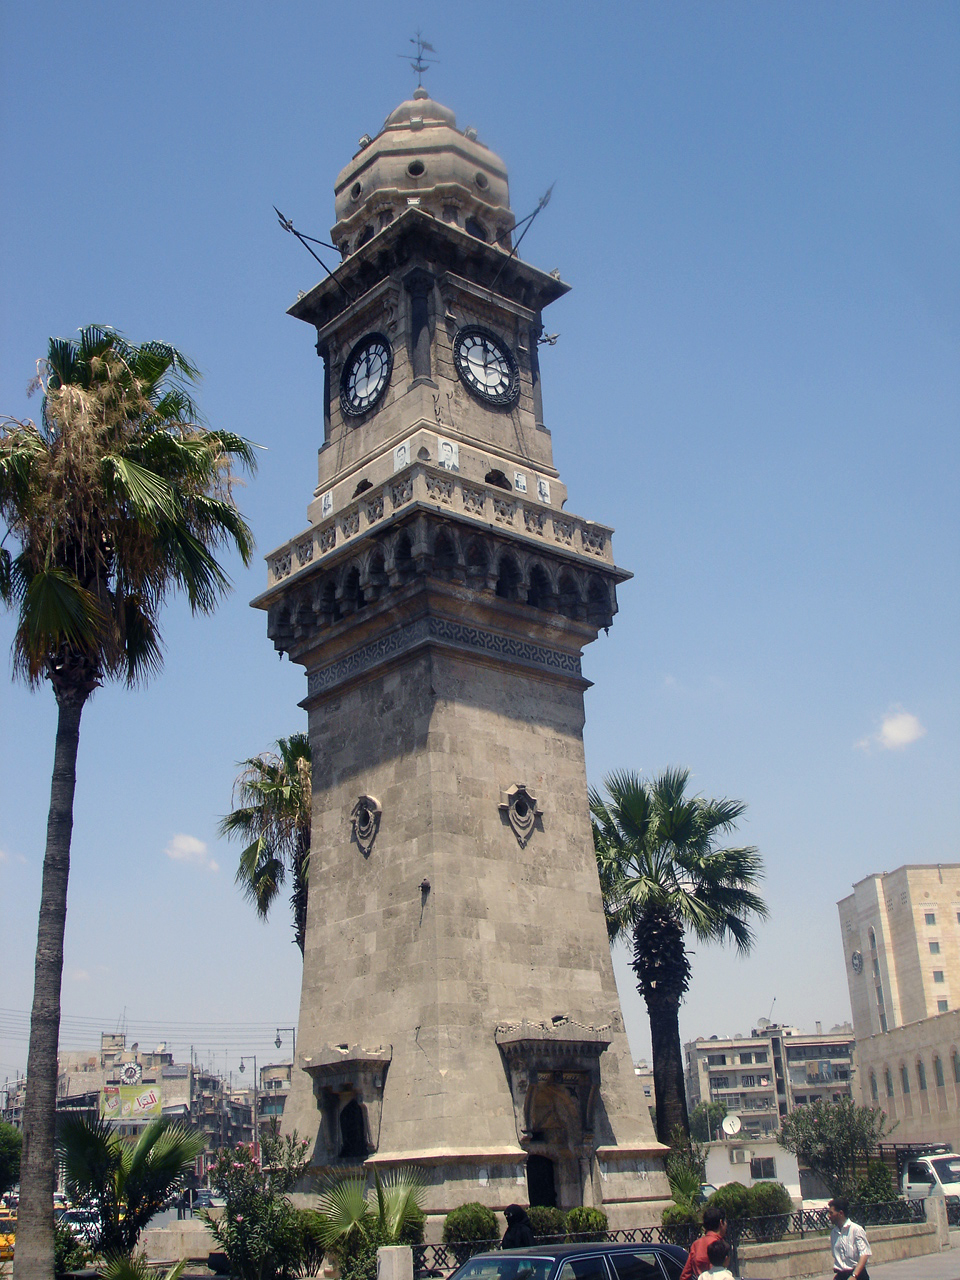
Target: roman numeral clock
{"x":458,"y":1008}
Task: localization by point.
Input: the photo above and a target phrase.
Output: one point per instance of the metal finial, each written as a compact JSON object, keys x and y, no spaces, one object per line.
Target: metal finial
{"x":420,"y":64}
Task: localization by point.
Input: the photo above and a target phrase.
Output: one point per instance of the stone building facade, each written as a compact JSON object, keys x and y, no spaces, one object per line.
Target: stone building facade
{"x":901,"y":939}
{"x":459,"y":1009}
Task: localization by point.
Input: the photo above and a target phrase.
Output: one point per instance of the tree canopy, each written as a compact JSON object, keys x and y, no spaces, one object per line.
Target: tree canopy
{"x":833,"y":1138}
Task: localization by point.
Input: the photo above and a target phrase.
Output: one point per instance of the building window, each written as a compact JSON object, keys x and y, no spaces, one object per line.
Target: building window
{"x":720,"y":1082}
{"x":929,"y":918}
{"x":716,"y":1059}
{"x":762,"y":1056}
{"x":938,"y":975}
{"x":938,"y":1072}
{"x":921,"y":1076}
{"x":763,"y":1168}
{"x":874,"y":1091}
{"x":873,"y":938}
{"x":956,"y":1067}
{"x":942,"y":1006}
{"x":904,"y":1081}
{"x":888,"y":1077}
{"x":934,"y":948}
{"x":746,"y":1059}
{"x":883,"y":1022}
{"x":876,"y":967}
{"x":748,"y":1082}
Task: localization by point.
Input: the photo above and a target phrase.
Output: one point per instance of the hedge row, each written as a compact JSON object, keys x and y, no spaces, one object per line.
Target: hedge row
{"x":473,"y":1221}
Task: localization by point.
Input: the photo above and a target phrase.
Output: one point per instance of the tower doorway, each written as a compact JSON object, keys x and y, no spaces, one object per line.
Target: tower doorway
{"x":541,"y":1181}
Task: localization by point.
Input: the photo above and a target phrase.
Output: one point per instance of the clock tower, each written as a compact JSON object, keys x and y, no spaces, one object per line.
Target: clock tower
{"x":458,"y":1009}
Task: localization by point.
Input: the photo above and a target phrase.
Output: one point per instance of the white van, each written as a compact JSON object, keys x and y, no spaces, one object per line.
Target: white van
{"x":926,"y":1175}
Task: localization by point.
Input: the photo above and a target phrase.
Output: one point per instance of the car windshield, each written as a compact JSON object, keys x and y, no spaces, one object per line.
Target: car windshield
{"x":948,"y":1170}
{"x":506,"y":1267}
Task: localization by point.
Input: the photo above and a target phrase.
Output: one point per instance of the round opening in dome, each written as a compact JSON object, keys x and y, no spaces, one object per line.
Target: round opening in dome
{"x":481,"y":180}
{"x":356,"y":190}
{"x":416,"y":168}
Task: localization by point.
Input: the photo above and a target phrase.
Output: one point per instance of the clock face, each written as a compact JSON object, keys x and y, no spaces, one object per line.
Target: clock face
{"x":486,"y":366}
{"x":857,"y":961}
{"x":366,"y":374}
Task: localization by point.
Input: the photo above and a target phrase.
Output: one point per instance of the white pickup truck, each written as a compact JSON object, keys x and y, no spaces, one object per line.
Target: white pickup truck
{"x":931,"y":1174}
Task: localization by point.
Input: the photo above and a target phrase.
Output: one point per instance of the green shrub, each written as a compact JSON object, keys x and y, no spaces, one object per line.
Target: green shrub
{"x":547,"y":1222}
{"x":471,"y":1221}
{"x":770,"y":1209}
{"x":734,"y":1199}
{"x":586,"y":1224}
{"x":69,"y":1251}
{"x":768,"y":1198}
{"x":680,"y":1224}
{"x":877,"y":1187}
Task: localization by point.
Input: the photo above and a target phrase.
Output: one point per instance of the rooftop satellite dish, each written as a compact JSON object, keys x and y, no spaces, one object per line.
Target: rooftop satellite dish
{"x":731,"y":1125}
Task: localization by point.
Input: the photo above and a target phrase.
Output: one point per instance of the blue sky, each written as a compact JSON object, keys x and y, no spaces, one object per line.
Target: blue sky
{"x":756,"y":384}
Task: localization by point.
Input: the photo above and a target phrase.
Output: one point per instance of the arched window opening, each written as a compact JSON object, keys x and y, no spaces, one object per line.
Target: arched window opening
{"x":938,"y":1071}
{"x":365,"y":235}
{"x":508,"y":579}
{"x":874,"y":1091}
{"x":329,"y":608}
{"x":404,"y":557}
{"x":353,"y":1139}
{"x":477,"y":560}
{"x":352,"y":595}
{"x":888,"y":1081}
{"x":921,"y":1076}
{"x":444,"y":555}
{"x":569,"y":601}
{"x":956,"y":1066}
{"x":475,"y":228}
{"x":904,"y":1081}
{"x":539,"y":589}
{"x":598,"y":605}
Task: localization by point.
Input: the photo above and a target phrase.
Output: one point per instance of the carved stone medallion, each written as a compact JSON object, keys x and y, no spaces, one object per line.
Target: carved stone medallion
{"x":521,"y":810}
{"x":366,"y":822}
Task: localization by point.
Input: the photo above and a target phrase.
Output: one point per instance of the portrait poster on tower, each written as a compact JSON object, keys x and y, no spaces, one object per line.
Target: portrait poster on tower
{"x":130,"y":1102}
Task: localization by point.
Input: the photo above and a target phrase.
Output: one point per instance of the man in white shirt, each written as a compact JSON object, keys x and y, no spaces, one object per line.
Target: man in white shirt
{"x":848,"y":1242}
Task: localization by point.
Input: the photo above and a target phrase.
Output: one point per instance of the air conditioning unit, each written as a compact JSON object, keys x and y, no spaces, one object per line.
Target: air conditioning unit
{"x":738,"y":1155}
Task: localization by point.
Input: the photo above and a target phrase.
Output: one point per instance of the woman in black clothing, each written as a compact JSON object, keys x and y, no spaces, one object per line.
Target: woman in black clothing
{"x":519,"y":1233}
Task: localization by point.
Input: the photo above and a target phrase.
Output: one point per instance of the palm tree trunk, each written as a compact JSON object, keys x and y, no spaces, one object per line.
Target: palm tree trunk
{"x":33,"y":1254}
{"x":668,"y":1083}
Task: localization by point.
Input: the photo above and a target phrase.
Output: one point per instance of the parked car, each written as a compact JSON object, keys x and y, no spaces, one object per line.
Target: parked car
{"x":578,"y":1262}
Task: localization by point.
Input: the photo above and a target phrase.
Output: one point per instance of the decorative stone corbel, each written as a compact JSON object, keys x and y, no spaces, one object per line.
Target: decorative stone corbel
{"x":366,"y":822}
{"x":521,"y":811}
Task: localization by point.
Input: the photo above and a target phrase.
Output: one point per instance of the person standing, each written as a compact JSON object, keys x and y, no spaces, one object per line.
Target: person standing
{"x":519,"y":1233}
{"x":718,"y":1251}
{"x":714,"y":1228}
{"x":848,"y":1242}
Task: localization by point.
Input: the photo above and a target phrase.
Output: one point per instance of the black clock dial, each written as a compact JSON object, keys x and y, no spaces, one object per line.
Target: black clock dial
{"x":857,"y":961}
{"x":486,"y":366}
{"x":366,"y":374}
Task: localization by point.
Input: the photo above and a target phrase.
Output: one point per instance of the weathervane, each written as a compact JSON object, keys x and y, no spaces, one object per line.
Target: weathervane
{"x":420,"y":64}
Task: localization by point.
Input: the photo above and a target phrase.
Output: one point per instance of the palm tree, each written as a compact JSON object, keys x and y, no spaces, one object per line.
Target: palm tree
{"x":351,"y":1224}
{"x":272,"y":799}
{"x":117,"y":498}
{"x":662,"y":875}
{"x":124,"y":1181}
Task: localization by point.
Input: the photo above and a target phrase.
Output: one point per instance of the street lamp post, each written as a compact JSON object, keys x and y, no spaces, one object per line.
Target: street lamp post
{"x":256,"y":1109}
{"x":279,"y":1041}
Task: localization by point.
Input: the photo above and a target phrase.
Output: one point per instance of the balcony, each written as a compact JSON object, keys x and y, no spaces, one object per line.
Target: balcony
{"x":428,"y":486}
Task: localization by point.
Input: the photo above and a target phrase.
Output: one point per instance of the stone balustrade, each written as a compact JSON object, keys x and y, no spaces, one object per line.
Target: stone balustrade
{"x":431,"y":486}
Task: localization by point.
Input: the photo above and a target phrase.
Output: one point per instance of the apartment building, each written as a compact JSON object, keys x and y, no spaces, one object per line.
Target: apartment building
{"x":761,"y":1078}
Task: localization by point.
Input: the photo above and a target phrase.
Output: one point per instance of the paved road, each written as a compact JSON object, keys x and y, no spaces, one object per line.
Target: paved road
{"x":934,"y":1266}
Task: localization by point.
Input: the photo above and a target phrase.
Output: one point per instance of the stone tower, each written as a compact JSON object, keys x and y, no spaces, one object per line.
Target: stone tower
{"x":458,"y":1009}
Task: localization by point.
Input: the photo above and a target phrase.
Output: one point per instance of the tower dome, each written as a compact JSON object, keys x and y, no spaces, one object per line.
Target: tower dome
{"x":421,"y":159}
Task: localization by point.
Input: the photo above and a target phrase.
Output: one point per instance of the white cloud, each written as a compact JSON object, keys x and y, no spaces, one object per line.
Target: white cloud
{"x":79,"y":975}
{"x":184,"y":848}
{"x":898,"y":729}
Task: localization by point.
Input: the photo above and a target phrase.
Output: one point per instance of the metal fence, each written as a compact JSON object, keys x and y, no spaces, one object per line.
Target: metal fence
{"x":442,"y":1259}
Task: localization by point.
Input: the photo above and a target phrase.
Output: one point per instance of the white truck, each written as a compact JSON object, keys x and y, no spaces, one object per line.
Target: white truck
{"x":932,"y":1174}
